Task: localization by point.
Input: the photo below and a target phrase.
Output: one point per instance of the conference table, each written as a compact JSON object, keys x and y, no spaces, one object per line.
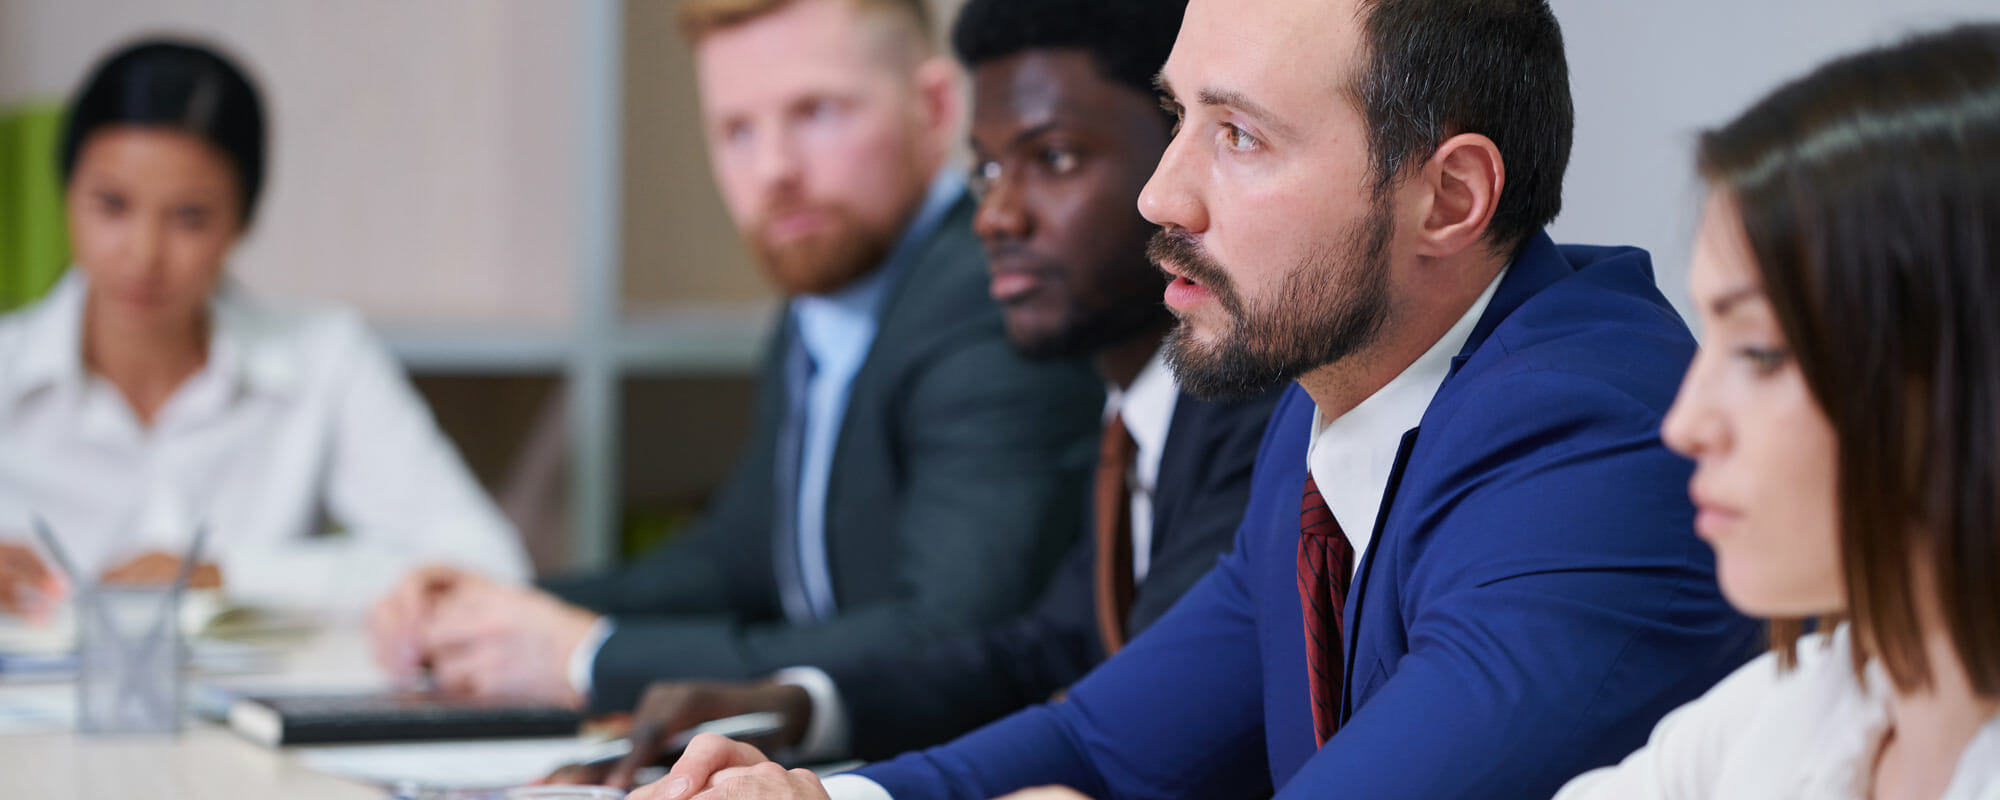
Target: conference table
{"x":205,"y":761}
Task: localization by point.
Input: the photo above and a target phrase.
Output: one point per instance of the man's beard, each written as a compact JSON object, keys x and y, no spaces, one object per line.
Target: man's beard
{"x":824,"y":261}
{"x":1328,"y":307}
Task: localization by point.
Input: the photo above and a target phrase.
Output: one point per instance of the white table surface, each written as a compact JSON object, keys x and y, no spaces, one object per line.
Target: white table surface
{"x":203,"y":762}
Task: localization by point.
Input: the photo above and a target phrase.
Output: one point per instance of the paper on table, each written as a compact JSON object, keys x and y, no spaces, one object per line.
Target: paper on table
{"x":37,"y":709}
{"x":205,"y":656}
{"x":452,"y":765}
{"x":203,"y":613}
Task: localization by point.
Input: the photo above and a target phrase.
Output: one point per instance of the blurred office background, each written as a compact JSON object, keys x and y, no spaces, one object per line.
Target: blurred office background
{"x":516,"y":194}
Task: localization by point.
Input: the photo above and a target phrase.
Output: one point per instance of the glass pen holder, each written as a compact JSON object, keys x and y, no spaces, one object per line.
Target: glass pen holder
{"x":130,"y":659}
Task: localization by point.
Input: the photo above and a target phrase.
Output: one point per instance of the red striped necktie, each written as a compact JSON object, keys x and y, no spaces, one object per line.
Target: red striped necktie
{"x":1326,"y":563}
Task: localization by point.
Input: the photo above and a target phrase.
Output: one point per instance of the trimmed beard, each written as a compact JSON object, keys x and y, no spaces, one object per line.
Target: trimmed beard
{"x":823,"y":262}
{"x":1328,"y":307}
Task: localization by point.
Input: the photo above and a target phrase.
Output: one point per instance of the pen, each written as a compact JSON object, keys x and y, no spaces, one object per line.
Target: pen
{"x":741,"y":726}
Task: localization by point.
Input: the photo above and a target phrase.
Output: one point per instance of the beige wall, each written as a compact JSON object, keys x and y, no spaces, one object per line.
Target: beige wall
{"x":425,"y":153}
{"x":680,"y":246}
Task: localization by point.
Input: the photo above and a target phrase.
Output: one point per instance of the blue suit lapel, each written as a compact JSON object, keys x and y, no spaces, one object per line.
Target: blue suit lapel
{"x":1358,"y":592}
{"x":1539,"y":265}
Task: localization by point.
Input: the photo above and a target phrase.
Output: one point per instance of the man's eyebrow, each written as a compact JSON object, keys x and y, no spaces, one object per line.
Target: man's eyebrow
{"x":1161,"y":85}
{"x":1230,"y":98}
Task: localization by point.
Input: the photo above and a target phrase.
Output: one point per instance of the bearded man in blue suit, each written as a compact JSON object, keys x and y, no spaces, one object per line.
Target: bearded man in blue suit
{"x":1467,"y":568}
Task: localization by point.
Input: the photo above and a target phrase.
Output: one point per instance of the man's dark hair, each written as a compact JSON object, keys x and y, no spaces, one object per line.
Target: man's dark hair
{"x":1439,"y":68}
{"x":182,"y":86}
{"x":1128,"y":39}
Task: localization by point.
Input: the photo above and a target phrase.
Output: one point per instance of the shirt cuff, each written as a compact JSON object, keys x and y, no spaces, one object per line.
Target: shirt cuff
{"x":849,"y":786}
{"x":826,"y":735}
{"x":583,"y":660}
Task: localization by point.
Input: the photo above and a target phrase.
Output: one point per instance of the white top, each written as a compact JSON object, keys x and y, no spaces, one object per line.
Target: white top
{"x":1147,"y":409}
{"x":1762,"y":734}
{"x":300,"y":423}
{"x":1350,"y":459}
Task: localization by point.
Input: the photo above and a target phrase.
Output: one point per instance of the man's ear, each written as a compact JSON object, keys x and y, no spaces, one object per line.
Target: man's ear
{"x":1458,"y":191}
{"x":940,"y":90}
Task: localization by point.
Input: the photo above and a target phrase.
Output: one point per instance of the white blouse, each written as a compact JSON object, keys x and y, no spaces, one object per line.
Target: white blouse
{"x":315,"y":465}
{"x":1760,"y":734}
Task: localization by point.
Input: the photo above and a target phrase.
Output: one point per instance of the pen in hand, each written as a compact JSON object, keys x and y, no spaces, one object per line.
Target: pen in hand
{"x":623,"y":761}
{"x":28,"y":588}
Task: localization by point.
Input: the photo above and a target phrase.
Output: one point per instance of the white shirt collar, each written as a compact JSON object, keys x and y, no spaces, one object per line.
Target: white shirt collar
{"x":1351,"y":456}
{"x":244,"y":350}
{"x":249,"y":346}
{"x":1147,"y":410}
{"x":50,"y":351}
{"x":1147,"y":407}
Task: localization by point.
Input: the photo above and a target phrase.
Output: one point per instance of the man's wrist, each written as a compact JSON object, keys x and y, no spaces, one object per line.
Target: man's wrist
{"x":583,"y":657}
{"x":826,"y":736}
{"x":849,"y":786}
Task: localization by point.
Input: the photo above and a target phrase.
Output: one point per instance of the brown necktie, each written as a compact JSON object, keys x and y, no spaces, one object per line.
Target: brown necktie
{"x":1326,"y":563}
{"x":1114,"y":533}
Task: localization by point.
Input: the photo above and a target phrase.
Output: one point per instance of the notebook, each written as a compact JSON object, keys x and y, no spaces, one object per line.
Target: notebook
{"x":291,"y":719}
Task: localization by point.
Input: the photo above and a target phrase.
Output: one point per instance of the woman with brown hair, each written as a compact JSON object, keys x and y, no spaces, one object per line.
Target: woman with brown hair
{"x":1844,"y":416}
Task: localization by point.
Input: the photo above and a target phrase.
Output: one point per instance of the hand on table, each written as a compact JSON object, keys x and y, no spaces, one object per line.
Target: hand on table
{"x":27,"y":587}
{"x":162,"y":568}
{"x":486,"y":638}
{"x":670,"y":709}
{"x":396,"y":623}
{"x":717,"y":768}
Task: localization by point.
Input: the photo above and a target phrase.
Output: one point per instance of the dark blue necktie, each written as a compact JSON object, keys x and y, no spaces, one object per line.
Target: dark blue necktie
{"x":791,"y":452}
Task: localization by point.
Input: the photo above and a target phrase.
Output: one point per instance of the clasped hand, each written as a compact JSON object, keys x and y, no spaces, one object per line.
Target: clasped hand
{"x":479,"y":637}
{"x":671,"y":709}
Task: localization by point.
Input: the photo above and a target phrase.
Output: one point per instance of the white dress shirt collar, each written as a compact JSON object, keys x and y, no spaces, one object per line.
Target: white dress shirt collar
{"x":244,"y":351}
{"x":1350,"y":457}
{"x":1147,"y":409}
{"x":1147,"y":406}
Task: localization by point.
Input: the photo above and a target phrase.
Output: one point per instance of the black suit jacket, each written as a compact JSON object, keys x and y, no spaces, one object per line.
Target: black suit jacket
{"x":955,"y":486}
{"x":908,"y":698}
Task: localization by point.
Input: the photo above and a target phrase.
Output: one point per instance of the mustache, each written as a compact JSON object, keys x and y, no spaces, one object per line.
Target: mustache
{"x":1188,"y":257}
{"x":1192,"y":261}
{"x":787,"y":202}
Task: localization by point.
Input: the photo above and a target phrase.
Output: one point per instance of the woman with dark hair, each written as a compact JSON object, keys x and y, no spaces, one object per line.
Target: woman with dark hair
{"x":1844,"y":416}
{"x":147,"y":396}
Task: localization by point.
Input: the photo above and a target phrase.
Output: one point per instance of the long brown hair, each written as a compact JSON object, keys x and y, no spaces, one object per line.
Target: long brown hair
{"x":1870,"y":191}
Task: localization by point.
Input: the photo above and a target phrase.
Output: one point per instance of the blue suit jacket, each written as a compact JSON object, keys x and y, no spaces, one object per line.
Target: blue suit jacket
{"x":1534,"y":599}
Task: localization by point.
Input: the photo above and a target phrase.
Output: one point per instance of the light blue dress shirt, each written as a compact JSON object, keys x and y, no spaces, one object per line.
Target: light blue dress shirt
{"x":837,"y":330}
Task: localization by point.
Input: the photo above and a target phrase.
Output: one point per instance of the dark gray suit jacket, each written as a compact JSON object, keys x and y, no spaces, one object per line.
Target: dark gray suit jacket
{"x":913,"y":697}
{"x":957,"y":482}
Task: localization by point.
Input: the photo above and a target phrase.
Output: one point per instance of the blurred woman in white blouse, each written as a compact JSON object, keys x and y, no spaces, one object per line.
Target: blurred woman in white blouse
{"x":1844,"y":417}
{"x":148,"y":395}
